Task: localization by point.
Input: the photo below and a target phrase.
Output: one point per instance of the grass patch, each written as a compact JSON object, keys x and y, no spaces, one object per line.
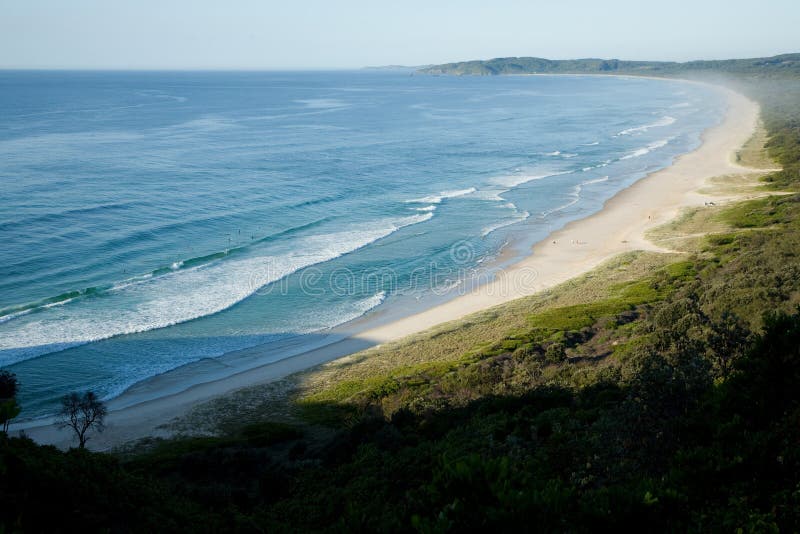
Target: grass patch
{"x":686,"y":232}
{"x":761,"y":212}
{"x":787,"y":179}
{"x":753,"y":153}
{"x":719,"y":240}
{"x":578,"y":316}
{"x":629,"y":295}
{"x":681,"y":270}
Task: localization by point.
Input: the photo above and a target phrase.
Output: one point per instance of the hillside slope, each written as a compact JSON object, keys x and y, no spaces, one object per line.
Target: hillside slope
{"x":782,"y":65}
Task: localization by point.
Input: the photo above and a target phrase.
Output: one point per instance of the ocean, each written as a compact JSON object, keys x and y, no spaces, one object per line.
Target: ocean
{"x":154,"y":221}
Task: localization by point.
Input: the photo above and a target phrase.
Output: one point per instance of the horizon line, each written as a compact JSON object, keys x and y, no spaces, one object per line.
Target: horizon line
{"x":363,"y":67}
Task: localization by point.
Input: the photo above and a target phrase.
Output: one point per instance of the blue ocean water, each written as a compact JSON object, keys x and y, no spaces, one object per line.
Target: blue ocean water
{"x":152,"y":220}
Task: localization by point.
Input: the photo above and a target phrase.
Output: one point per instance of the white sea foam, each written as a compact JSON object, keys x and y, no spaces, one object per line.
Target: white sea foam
{"x":361,"y":307}
{"x":432,"y":207}
{"x":437,"y":199}
{"x":521,"y":216}
{"x":321,"y":319}
{"x":575,"y":195}
{"x":490,"y":194}
{"x":664,"y":121}
{"x":595,"y":181}
{"x":558,"y":153}
{"x":646,"y":150}
{"x":15,"y":315}
{"x":606,"y":163}
{"x":458,"y":192}
{"x":130,"y":281}
{"x":516,"y":217}
{"x":519,"y":179}
{"x":681,"y":105}
{"x":178,"y":296}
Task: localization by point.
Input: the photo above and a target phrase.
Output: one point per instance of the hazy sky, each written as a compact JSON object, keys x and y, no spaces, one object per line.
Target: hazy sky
{"x":267,"y":34}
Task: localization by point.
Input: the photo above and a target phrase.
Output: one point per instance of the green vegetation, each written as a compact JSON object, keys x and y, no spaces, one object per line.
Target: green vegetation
{"x":786,"y":65}
{"x":658,"y":391}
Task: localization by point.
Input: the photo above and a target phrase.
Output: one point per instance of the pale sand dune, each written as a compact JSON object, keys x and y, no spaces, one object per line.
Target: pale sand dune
{"x":579,"y":247}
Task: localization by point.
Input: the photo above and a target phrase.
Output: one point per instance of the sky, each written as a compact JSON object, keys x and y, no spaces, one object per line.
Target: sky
{"x":331,"y":34}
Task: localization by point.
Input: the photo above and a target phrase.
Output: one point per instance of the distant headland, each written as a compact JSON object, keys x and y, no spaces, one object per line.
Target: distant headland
{"x":784,"y":64}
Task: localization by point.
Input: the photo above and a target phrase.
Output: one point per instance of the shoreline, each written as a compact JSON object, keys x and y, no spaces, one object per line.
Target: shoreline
{"x":582,"y":245}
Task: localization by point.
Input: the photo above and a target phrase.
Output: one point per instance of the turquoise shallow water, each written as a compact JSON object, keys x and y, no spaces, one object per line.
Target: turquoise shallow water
{"x":150,"y":220}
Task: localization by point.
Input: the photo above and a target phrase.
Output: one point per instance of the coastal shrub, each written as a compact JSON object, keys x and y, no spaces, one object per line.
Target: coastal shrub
{"x":325,"y":413}
{"x":787,"y":179}
{"x":767,"y":211}
{"x":45,"y":490}
{"x":682,"y":271}
{"x":555,"y":353}
{"x":578,"y":316}
{"x":719,"y":240}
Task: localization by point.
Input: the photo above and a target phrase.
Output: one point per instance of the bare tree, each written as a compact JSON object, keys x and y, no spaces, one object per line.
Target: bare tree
{"x":81,"y":413}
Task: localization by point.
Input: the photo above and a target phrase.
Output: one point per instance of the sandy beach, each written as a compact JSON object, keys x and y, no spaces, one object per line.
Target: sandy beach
{"x":581,"y":246}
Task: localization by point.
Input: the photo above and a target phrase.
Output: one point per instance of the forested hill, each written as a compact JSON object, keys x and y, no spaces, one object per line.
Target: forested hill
{"x":786,"y":64}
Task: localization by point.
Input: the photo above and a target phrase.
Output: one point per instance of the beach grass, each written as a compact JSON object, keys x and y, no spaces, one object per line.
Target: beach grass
{"x":754,"y":154}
